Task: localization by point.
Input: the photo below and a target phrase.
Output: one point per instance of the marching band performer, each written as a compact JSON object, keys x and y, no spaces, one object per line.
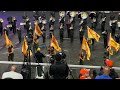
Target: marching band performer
{"x":7,"y":31}
{"x":1,"y":26}
{"x":105,"y":37}
{"x":68,"y":24}
{"x":44,"y":33}
{"x":61,"y":33}
{"x":103,"y":22}
{"x":81,"y":33}
{"x":27,"y":25}
{"x":71,"y":33}
{"x":19,"y":32}
{"x":113,"y":24}
{"x":10,"y":53}
{"x":14,"y":25}
{"x":118,"y":22}
{"x":92,"y":16}
{"x":51,"y":21}
{"x":51,"y":31}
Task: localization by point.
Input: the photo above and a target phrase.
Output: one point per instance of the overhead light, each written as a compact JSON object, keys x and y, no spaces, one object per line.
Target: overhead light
{"x":4,"y":11}
{"x":33,"y":11}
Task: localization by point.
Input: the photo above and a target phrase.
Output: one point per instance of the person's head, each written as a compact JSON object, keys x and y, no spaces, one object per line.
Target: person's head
{"x":58,"y":57}
{"x":106,"y":70}
{"x":13,"y":68}
{"x":93,"y":74}
{"x":108,"y":63}
{"x":84,"y":72}
{"x":82,"y":53}
{"x":38,"y":49}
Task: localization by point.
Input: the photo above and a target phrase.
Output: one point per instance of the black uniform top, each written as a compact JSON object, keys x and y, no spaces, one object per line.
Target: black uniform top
{"x":117,"y":38}
{"x":1,"y":25}
{"x":39,"y":56}
{"x":62,"y":20}
{"x":59,"y":70}
{"x":105,"y":35}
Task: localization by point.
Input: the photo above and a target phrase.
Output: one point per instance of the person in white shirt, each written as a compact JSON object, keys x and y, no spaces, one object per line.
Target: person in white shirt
{"x":12,"y":74}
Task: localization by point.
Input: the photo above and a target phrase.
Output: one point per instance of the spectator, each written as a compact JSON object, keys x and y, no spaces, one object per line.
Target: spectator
{"x":59,"y":70}
{"x":84,"y":73}
{"x":12,"y":74}
{"x":110,"y":63}
{"x":105,"y":75}
{"x":93,"y":74}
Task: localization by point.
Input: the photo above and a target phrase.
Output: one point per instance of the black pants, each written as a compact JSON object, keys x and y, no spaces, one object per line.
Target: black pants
{"x":14,"y":29}
{"x":105,"y":43}
{"x":113,"y":32}
{"x":81,"y":62}
{"x":68,"y":31}
{"x":39,"y":70}
{"x":71,"y":35}
{"x":51,"y":32}
{"x":11,"y":57}
{"x":44,"y":37}
{"x":61,"y":36}
{"x":1,"y":31}
{"x":93,"y":41}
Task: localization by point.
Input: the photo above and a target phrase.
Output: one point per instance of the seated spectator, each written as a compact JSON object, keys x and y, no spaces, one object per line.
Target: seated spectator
{"x":12,"y":74}
{"x":105,"y":75}
{"x":84,"y":73}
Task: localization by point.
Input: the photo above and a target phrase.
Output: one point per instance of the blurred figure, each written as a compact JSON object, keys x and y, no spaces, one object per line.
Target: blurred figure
{"x":10,"y":53}
{"x":1,"y":26}
{"x":93,"y":74}
{"x":82,"y":57}
{"x":84,"y":74}
{"x":12,"y":74}
{"x":117,"y":37}
{"x":105,"y":75}
{"x":105,"y":36}
{"x":59,"y":70}
{"x":19,"y":32}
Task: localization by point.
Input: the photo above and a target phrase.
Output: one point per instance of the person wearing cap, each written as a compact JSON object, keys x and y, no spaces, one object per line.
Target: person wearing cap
{"x":105,"y":75}
{"x":110,"y":63}
{"x":84,"y":73}
{"x":39,"y":59}
{"x":58,"y":70}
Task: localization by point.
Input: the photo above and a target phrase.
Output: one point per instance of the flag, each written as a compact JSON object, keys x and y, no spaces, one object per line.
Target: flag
{"x":25,"y":47}
{"x":113,"y":43}
{"x":55,"y":44}
{"x":37,"y":30}
{"x":86,"y":48}
{"x":93,"y":34}
{"x":7,"y":40}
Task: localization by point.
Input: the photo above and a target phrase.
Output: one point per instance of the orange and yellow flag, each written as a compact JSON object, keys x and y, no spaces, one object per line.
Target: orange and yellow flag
{"x":93,"y":34}
{"x":54,"y":43}
{"x":86,"y":48}
{"x":8,"y":41}
{"x":37,"y":30}
{"x":25,"y":47}
{"x":113,"y":43}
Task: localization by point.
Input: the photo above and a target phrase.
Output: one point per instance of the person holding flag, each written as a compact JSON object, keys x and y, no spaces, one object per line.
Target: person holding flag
{"x":9,"y":46}
{"x":112,"y":44}
{"x":93,"y":35}
{"x":86,"y":48}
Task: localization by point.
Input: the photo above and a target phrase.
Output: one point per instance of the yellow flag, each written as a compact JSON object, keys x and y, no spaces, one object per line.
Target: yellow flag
{"x":93,"y":34}
{"x":86,"y":48}
{"x":113,"y":43}
{"x":7,"y":40}
{"x":37,"y":30}
{"x":25,"y":47}
{"x":55,"y":44}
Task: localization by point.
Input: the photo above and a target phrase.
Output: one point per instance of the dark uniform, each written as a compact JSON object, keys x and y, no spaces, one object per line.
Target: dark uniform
{"x":39,"y":59}
{"x":82,"y":57}
{"x":59,"y":70}
{"x":71,"y":33}
{"x":61,"y":32}
{"x":14,"y":25}
{"x":1,"y":28}
{"x":7,"y":32}
{"x":51,"y":31}
{"x":118,"y":22}
{"x":44,"y":33}
{"x":35,"y":43}
{"x":117,"y":38}
{"x":19,"y":32}
{"x":81,"y":33}
{"x":10,"y":53}
{"x":10,"y":22}
{"x":105,"y":36}
{"x":103,"y":22}
{"x":68,"y":24}
{"x":27,"y":26}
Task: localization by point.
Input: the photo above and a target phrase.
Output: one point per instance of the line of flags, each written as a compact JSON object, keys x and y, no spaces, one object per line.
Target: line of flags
{"x":54,"y":43}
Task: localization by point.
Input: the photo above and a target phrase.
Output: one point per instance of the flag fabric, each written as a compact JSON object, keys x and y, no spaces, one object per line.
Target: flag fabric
{"x":93,"y":34}
{"x":86,"y":48}
{"x":37,"y":30}
{"x":25,"y":47}
{"x":8,"y":41}
{"x":54,"y":43}
{"x":113,"y":43}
